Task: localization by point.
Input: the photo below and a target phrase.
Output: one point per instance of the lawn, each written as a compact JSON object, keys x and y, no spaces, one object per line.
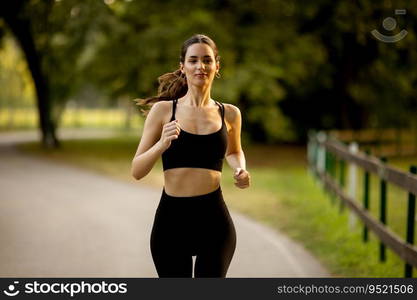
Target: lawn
{"x":27,"y":118}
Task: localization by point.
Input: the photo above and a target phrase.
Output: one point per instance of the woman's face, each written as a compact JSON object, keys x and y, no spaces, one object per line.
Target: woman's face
{"x":200,"y":65}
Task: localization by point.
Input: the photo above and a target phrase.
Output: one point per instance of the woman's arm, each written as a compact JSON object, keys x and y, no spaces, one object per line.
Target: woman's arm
{"x":235,"y":156}
{"x":156,"y":138}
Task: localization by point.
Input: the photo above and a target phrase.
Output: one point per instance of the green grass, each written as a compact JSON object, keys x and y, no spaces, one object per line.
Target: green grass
{"x":283,"y":195}
{"x":27,"y":118}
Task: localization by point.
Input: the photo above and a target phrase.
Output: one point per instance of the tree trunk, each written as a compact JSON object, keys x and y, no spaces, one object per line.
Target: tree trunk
{"x":20,"y":26}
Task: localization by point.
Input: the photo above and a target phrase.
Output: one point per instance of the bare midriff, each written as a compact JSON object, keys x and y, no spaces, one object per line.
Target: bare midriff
{"x":188,"y":182}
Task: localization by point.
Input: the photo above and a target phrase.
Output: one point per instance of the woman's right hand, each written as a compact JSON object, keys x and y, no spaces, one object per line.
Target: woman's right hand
{"x":170,"y":131}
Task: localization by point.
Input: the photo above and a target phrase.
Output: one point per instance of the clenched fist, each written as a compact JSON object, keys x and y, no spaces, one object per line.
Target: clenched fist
{"x":242,"y":178}
{"x":170,"y":131}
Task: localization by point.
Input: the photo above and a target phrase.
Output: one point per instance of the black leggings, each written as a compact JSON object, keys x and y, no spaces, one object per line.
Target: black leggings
{"x":187,"y":226}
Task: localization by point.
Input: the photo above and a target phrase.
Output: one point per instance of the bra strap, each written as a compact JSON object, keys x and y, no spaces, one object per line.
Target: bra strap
{"x":221,"y":109}
{"x":174,"y":107}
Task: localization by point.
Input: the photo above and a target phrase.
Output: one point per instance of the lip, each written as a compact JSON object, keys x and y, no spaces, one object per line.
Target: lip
{"x":200,"y":75}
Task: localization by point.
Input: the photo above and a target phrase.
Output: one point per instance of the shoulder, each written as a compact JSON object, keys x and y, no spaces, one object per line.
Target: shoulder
{"x":161,"y":110}
{"x":231,"y":113}
{"x":161,"y":106}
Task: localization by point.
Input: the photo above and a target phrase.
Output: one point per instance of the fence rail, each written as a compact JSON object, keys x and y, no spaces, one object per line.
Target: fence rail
{"x":323,"y":151}
{"x":372,"y":164}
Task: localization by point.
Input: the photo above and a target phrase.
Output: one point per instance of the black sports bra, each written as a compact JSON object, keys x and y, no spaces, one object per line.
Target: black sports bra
{"x":197,"y":150}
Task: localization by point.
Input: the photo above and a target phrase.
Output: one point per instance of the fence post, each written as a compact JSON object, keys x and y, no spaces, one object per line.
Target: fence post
{"x":321,"y":156}
{"x":366,"y":199}
{"x":383,"y":211}
{"x":341,"y":181}
{"x":312,"y":152}
{"x":410,"y":223}
{"x":330,"y":162}
{"x":353,"y":148}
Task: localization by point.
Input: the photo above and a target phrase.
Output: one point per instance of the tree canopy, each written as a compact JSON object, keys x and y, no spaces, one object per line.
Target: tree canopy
{"x":289,"y":65}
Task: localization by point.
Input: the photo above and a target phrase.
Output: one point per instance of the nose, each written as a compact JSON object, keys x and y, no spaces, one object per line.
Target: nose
{"x":200,"y":65}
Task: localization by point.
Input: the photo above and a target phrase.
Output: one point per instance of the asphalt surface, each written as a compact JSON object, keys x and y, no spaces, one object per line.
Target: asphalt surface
{"x":62,"y":221}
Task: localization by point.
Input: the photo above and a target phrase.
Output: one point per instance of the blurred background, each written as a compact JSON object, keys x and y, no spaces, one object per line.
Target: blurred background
{"x":292,"y":67}
{"x":289,"y":65}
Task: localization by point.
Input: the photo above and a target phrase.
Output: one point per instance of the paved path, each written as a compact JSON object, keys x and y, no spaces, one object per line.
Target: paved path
{"x":61,"y":221}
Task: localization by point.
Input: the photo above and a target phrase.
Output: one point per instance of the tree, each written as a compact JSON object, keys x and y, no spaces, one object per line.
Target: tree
{"x":288,"y":65}
{"x":20,"y":24}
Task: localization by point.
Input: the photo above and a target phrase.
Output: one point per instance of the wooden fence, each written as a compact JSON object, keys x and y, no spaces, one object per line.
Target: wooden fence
{"x":323,"y":155}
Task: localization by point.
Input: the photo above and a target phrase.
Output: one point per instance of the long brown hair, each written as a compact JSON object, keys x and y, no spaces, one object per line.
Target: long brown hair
{"x":173,"y":85}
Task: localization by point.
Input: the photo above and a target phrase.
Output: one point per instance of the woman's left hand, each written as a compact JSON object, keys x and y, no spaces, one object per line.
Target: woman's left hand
{"x":242,"y":178}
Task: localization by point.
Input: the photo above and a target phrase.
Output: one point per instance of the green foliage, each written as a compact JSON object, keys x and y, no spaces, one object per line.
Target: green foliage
{"x":365,"y":82}
{"x":14,"y":75}
{"x":288,"y":65}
